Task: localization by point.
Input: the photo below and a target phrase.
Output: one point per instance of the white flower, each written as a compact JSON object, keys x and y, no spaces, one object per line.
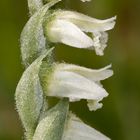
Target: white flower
{"x":75,"y":129}
{"x":72,"y":28}
{"x":76,"y":83}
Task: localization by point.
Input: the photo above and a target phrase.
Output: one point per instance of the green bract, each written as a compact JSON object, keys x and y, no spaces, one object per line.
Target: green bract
{"x":51,"y":127}
{"x":33,"y":41}
{"x":34,"y":5}
{"x":29,"y":96}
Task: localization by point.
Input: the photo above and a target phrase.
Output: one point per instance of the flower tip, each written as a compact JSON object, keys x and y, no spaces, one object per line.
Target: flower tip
{"x":108,"y":71}
{"x":115,"y":17}
{"x":112,"y":22}
{"x":111,"y":72}
{"x":109,"y":23}
{"x":108,"y":67}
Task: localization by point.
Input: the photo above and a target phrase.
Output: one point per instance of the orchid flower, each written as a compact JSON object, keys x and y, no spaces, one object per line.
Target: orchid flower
{"x":76,"y":83}
{"x":72,"y":28}
{"x":66,"y":81}
{"x":60,"y":26}
{"x":77,"y":130}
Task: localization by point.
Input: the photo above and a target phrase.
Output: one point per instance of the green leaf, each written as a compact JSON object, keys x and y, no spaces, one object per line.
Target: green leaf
{"x":33,"y":41}
{"x":29,"y":96}
{"x":52,"y":126}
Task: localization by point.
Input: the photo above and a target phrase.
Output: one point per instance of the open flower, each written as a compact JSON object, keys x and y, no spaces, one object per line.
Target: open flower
{"x":78,"y":30}
{"x":75,"y":83}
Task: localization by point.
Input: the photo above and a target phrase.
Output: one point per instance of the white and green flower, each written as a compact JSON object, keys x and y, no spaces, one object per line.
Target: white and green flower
{"x":61,"y":26}
{"x":76,"y":83}
{"x":44,"y":78}
{"x":72,"y":28}
{"x":65,"y":81}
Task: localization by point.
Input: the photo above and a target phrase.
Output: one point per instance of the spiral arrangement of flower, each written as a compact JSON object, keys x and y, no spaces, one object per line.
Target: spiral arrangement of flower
{"x":44,"y":78}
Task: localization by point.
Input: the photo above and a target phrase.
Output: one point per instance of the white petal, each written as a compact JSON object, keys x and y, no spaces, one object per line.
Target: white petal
{"x":91,"y":74}
{"x":86,"y":23}
{"x":73,"y":86}
{"x":77,"y":130}
{"x":67,"y":33}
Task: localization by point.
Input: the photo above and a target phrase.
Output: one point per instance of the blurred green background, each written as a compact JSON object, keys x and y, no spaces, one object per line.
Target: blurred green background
{"x":120,"y":116}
